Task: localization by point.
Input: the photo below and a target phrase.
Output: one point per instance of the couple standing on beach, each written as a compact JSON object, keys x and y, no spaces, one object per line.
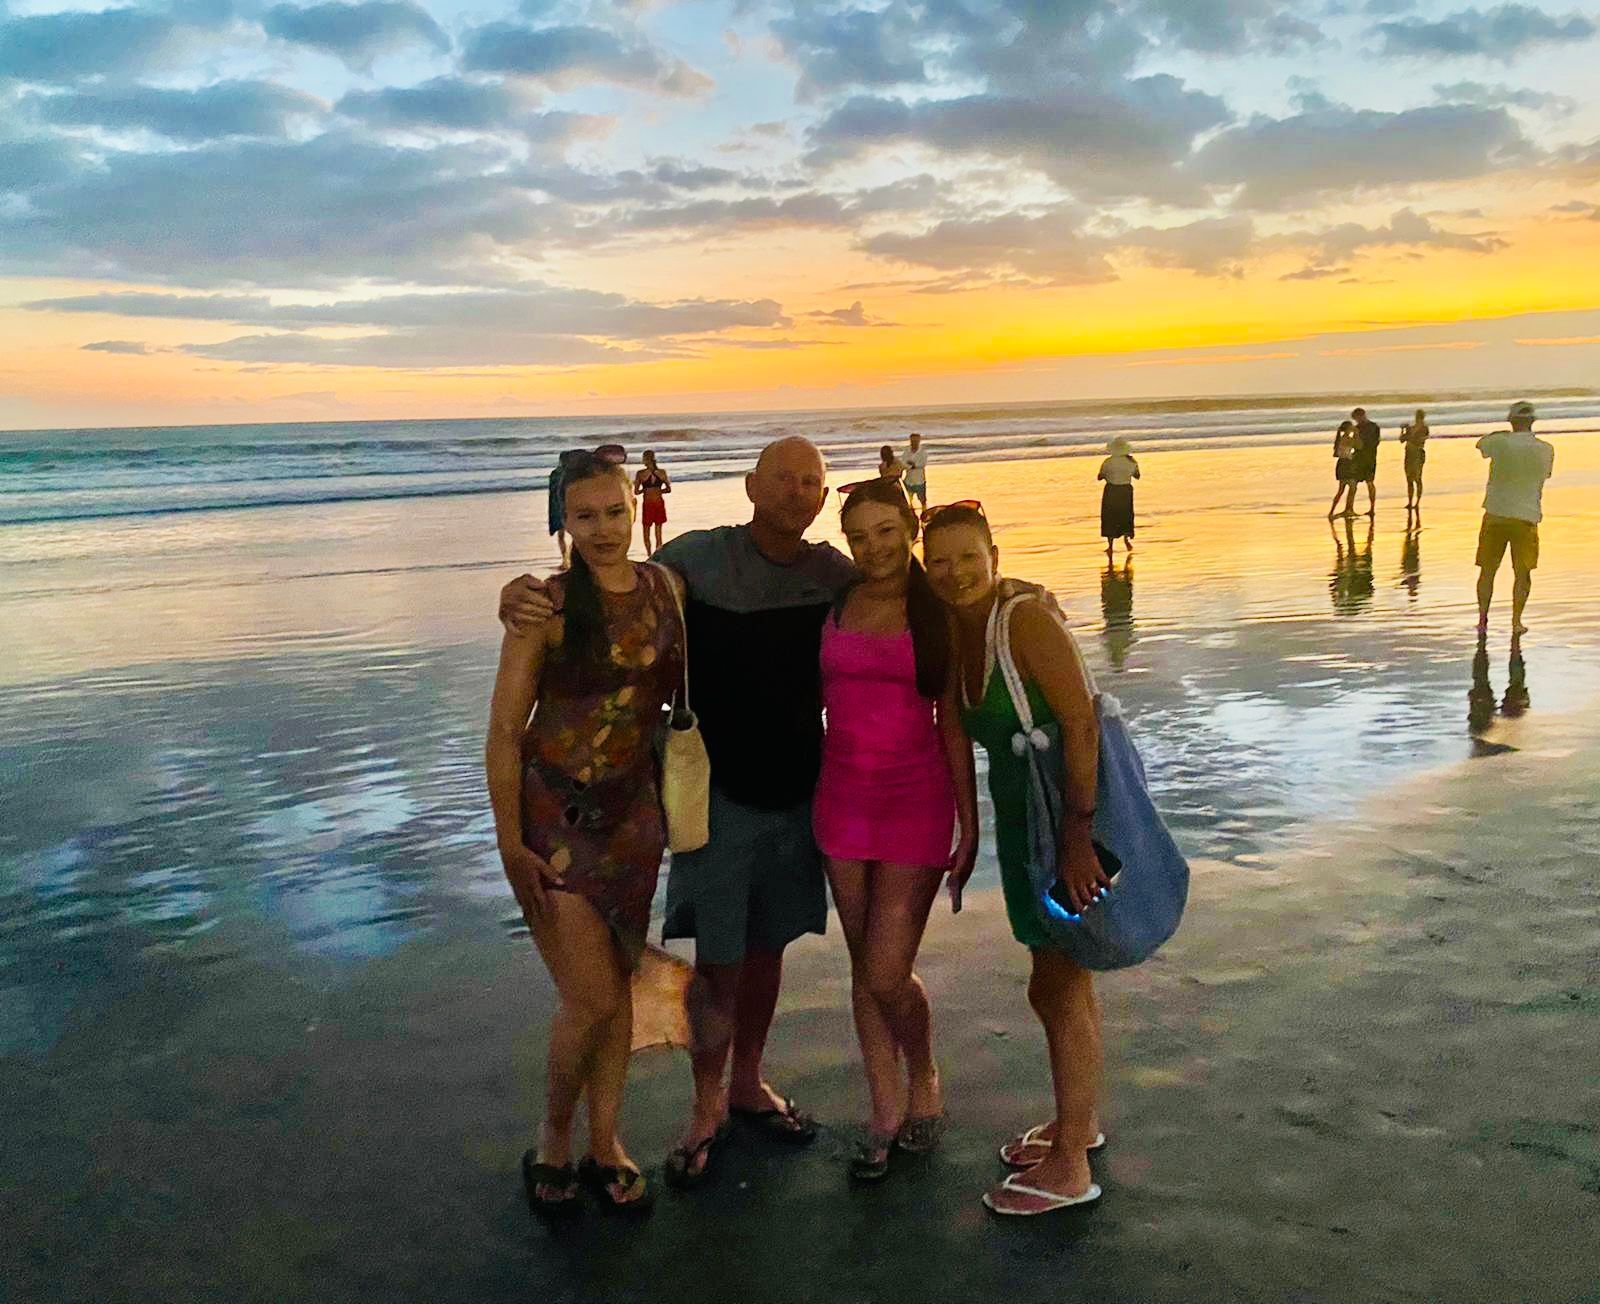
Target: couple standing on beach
{"x":902,"y":658}
{"x":1355,"y":453}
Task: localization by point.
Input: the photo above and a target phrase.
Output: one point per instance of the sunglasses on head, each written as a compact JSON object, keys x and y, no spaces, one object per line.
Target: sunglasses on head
{"x":969,"y":504}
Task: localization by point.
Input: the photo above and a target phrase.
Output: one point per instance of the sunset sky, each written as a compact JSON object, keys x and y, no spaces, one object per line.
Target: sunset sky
{"x":228,"y":210}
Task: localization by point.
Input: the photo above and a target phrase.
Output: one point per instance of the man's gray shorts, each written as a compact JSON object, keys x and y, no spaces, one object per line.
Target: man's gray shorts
{"x":757,"y":884}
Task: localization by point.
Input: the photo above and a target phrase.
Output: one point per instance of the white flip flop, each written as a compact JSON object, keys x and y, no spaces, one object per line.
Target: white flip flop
{"x":1055,"y":1199}
{"x":1032,"y":1137}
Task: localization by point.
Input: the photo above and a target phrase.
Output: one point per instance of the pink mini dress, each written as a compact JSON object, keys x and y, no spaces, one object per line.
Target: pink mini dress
{"x":885,"y":791}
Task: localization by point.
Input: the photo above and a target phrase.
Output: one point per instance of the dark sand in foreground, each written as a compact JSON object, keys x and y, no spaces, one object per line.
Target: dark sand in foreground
{"x":1366,"y":1074}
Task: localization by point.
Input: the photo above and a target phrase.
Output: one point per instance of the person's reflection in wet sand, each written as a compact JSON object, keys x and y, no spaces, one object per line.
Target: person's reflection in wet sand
{"x":1411,"y":557}
{"x":1116,"y":604}
{"x":1516,"y":700}
{"x":1350,"y":582}
{"x":1481,"y":699}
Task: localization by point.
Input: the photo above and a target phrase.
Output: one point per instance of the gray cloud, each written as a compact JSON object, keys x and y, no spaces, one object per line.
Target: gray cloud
{"x":1212,"y":246}
{"x":1277,"y":161}
{"x":1110,"y":141}
{"x":855,"y":315}
{"x":230,"y":108}
{"x":71,"y":46}
{"x":1500,"y":33}
{"x":1334,"y":246}
{"x":1472,"y":92}
{"x":570,"y":56}
{"x":436,"y":349}
{"x":119,"y":346}
{"x":321,"y":211}
{"x":458,"y":104}
{"x":1233,"y":26}
{"x":691,"y":176}
{"x":535,"y":309}
{"x":842,"y":49}
{"x":1048,"y":247}
{"x":356,"y":33}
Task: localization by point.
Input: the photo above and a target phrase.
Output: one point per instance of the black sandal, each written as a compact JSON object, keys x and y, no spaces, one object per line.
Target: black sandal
{"x":680,"y":1171}
{"x":921,"y":1134}
{"x":600,"y":1179}
{"x":786,"y":1123}
{"x":871,"y":1160}
{"x":564,"y":1178}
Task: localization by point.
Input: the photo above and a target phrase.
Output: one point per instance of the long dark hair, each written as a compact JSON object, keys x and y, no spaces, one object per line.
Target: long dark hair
{"x":583,"y":636}
{"x":925,"y":614}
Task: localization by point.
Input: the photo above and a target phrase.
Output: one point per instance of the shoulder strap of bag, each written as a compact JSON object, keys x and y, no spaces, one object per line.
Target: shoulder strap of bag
{"x":683,"y":626}
{"x":1000,"y":651}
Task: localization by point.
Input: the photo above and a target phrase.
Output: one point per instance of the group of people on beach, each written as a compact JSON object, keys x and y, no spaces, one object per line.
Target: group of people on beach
{"x":1519,"y":465}
{"x":770,"y":635}
{"x":1355,"y":454}
{"x":881,"y":805}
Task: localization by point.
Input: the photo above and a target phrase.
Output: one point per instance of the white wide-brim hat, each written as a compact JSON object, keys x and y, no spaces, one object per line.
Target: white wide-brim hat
{"x":1119,"y":444}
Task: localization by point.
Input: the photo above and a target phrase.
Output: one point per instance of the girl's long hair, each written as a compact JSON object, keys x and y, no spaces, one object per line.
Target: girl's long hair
{"x":925,"y":614}
{"x":584,"y":637}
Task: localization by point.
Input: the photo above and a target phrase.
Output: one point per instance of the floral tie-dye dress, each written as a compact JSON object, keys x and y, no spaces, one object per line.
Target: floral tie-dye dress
{"x":591,"y":802}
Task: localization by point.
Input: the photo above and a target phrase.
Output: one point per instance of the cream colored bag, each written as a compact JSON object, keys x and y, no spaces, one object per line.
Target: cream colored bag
{"x":685,"y":766}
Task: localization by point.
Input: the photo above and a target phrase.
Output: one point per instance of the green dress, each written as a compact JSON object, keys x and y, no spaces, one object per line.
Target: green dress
{"x":993,"y":722}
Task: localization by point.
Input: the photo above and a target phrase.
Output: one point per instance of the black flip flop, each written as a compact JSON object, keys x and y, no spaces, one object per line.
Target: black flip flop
{"x":600,"y":1179}
{"x":788,"y":1123}
{"x":679,"y":1170}
{"x":535,"y":1175}
{"x":870,"y":1163}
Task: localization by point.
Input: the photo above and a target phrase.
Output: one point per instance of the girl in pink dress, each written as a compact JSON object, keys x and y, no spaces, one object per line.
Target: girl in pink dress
{"x":896,"y":767}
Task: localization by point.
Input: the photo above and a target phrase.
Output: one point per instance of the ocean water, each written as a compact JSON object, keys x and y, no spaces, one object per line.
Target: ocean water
{"x":68,"y":474}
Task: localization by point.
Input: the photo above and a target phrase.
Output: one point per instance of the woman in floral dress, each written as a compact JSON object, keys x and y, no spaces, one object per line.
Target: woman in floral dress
{"x":578,"y":817}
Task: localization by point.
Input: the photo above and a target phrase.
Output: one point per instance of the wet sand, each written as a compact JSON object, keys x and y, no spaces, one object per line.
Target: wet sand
{"x":1366,"y":1072}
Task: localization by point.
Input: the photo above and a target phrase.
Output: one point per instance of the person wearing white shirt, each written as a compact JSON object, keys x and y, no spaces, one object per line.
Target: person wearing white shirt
{"x":1119,"y":471}
{"x":915,"y":462}
{"x":1519,"y":464}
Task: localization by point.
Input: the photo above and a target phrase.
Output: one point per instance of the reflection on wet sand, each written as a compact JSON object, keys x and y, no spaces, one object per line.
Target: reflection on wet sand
{"x":1481,"y":704}
{"x":1350,"y":581}
{"x":1411,"y":557}
{"x":1116,"y":605}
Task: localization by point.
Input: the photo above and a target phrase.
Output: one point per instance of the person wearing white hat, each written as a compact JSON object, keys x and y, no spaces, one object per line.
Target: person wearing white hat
{"x":1119,"y":471}
{"x":1519,"y":464}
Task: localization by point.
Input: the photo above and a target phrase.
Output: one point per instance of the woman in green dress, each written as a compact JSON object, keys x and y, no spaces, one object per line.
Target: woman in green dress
{"x":963,"y":566}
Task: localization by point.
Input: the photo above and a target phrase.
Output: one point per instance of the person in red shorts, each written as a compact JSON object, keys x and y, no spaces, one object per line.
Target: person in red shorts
{"x":652,"y":484}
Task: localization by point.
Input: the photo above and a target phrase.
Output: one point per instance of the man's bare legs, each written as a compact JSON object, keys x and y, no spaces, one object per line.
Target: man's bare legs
{"x":1372,"y":498}
{"x":1520,"y":588}
{"x":731,"y":1009}
{"x":1486,"y":576}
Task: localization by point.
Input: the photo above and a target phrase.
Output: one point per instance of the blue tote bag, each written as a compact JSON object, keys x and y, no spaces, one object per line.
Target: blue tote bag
{"x":1151,"y":883}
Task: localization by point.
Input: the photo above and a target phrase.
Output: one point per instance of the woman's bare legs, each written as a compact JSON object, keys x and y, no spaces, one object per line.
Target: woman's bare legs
{"x":591,"y":1032}
{"x":884,"y":911}
{"x":1062,"y":995}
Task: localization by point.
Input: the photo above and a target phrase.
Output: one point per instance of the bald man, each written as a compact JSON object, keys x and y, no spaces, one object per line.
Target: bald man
{"x":757,"y":595}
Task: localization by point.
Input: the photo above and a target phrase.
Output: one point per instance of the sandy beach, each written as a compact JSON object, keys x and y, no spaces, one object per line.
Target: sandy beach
{"x":271,"y":1028}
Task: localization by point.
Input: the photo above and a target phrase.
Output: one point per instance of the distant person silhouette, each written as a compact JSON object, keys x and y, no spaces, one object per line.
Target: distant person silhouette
{"x":1519,"y":464}
{"x":1119,"y":471}
{"x":1364,"y":463}
{"x":1414,"y":435}
{"x":1351,"y":583}
{"x":1344,"y":451}
{"x":652,"y":484}
{"x":890,"y":467}
{"x":915,"y":461}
